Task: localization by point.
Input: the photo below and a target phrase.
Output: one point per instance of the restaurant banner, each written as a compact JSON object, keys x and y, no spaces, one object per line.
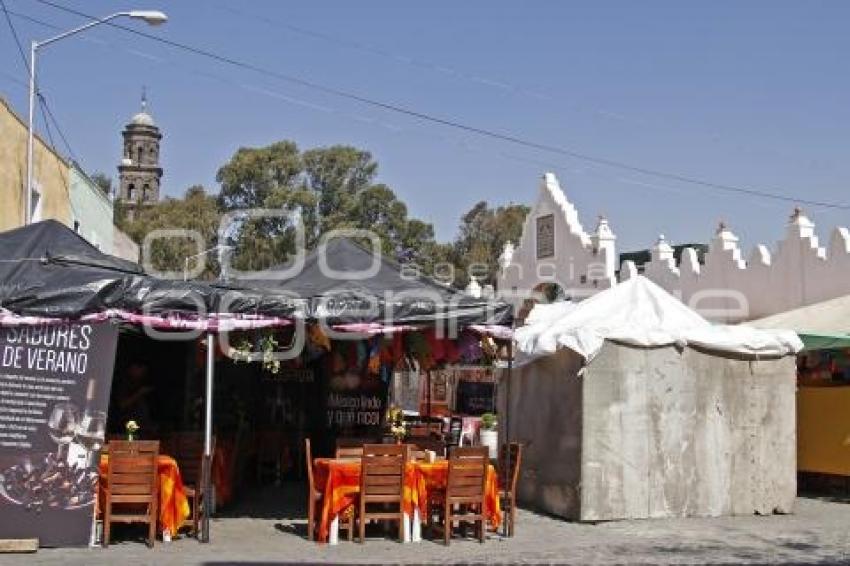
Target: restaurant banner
{"x":55,"y":382}
{"x":355,"y":402}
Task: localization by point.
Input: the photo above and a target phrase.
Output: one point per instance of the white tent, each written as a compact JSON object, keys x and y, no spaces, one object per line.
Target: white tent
{"x":640,"y":313}
{"x":634,"y":406}
{"x":827,"y":317}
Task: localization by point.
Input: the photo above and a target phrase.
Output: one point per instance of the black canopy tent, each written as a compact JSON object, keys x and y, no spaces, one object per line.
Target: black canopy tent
{"x":48,"y":273}
{"x":48,"y":270}
{"x":349,"y":287}
{"x":343,"y":283}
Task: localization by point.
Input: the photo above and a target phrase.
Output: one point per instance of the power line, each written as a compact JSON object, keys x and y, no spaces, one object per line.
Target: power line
{"x":46,"y":107}
{"x":425,"y":117}
{"x":15,"y":35}
{"x":46,"y":114}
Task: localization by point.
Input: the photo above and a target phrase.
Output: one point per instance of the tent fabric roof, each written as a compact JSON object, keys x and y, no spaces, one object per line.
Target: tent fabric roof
{"x":342,"y":282}
{"x":48,"y":270}
{"x":640,"y":313}
{"x":824,"y":325}
{"x":51,"y":241}
{"x":831,"y":318}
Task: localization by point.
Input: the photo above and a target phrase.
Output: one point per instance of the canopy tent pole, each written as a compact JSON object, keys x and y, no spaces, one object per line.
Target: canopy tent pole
{"x":207,"y":467}
{"x":507,"y":442}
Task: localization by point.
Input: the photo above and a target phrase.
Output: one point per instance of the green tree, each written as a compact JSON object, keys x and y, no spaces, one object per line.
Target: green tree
{"x":337,"y":174}
{"x":196,"y":211}
{"x":481,"y":238}
{"x":325,"y":188}
{"x":253,"y":174}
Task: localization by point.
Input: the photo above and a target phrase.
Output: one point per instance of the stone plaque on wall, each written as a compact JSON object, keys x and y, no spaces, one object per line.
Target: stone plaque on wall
{"x":545,"y":236}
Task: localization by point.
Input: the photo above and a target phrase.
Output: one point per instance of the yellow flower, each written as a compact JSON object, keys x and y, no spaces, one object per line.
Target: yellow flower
{"x":132,"y":426}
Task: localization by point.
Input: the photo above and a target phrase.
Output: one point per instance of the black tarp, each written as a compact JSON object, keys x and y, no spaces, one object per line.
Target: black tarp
{"x":47,"y":269}
{"x":342,"y":282}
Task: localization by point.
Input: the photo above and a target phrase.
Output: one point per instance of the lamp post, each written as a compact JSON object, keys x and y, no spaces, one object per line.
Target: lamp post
{"x":219,"y":248}
{"x":150,"y":17}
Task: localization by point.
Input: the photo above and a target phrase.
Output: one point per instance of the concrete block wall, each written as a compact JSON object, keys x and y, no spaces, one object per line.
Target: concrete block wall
{"x":652,"y":433}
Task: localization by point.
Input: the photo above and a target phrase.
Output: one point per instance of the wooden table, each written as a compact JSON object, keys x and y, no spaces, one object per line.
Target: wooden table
{"x":339,"y":482}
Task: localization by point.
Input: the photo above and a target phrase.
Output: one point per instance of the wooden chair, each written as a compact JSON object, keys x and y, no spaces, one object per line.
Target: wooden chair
{"x":188,"y":449}
{"x":382,"y":482}
{"x":353,"y":442}
{"x":429,"y":443}
{"x":507,"y":493}
{"x":314,"y":499}
{"x":349,"y":452}
{"x":132,"y":486}
{"x":463,"y":498}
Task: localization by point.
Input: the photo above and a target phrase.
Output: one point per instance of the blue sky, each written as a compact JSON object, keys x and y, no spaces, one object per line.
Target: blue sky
{"x":752,"y":94}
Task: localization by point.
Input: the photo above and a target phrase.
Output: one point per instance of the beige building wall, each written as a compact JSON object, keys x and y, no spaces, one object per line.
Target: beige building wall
{"x":51,"y":174}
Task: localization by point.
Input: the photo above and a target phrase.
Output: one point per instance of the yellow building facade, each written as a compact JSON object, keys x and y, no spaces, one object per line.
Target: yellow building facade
{"x":51,"y":178}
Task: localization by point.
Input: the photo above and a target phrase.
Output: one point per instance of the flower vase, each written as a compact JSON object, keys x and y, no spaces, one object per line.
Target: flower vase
{"x":131,"y":436}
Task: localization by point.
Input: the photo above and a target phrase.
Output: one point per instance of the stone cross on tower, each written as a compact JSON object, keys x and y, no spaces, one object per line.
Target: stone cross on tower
{"x":139,"y":171}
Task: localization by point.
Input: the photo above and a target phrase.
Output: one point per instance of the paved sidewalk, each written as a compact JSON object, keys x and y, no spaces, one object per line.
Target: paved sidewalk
{"x":818,"y":531}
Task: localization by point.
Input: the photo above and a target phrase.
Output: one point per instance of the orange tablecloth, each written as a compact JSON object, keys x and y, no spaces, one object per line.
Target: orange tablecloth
{"x":434,"y":476}
{"x":339,"y":482}
{"x":173,"y":504}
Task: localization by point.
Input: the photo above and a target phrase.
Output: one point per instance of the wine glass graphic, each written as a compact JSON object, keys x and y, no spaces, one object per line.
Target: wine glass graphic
{"x":91,"y":432}
{"x":62,"y":425}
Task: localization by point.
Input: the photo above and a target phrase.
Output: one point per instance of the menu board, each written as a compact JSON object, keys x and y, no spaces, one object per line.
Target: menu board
{"x":476,"y":390}
{"x":475,"y":398}
{"x":54,"y":393}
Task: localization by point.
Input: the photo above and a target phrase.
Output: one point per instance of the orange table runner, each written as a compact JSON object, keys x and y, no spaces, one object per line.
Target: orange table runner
{"x":173,"y":504}
{"x":339,"y":482}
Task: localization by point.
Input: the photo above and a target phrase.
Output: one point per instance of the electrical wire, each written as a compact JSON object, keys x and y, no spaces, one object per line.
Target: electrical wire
{"x":425,"y":117}
{"x":15,"y":36}
{"x":46,"y":114}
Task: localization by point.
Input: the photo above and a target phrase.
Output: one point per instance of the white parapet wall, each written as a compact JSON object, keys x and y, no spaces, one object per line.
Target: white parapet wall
{"x":554,"y":248}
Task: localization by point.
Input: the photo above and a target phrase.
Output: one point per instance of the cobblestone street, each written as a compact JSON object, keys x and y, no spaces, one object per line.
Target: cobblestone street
{"x":817,"y":532}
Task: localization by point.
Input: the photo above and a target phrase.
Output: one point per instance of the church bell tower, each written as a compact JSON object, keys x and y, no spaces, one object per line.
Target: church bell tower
{"x":139,"y":172}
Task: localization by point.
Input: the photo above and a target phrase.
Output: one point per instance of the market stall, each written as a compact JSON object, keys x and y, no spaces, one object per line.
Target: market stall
{"x":380,"y":335}
{"x":634,"y":406}
{"x":823,"y":378}
{"x":62,"y":302}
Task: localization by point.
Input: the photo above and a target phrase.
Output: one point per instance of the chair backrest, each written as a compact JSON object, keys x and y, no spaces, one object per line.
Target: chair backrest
{"x":382,"y":472}
{"x":188,"y":449}
{"x":132,"y":468}
{"x":308,"y":455}
{"x":515,"y":451}
{"x":467,"y":478}
{"x":349,"y":452}
{"x":429,"y":443}
{"x":353,"y":442}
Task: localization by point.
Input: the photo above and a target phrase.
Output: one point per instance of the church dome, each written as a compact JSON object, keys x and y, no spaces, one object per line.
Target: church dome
{"x":142,"y":119}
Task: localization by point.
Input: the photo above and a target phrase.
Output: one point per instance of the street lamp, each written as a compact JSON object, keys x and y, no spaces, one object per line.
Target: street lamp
{"x":151,"y":17}
{"x":219,"y":248}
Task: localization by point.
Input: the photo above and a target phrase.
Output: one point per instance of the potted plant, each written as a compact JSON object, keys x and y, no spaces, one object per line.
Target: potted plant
{"x":489,"y":435}
{"x":132,"y":430}
{"x":396,"y":424}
